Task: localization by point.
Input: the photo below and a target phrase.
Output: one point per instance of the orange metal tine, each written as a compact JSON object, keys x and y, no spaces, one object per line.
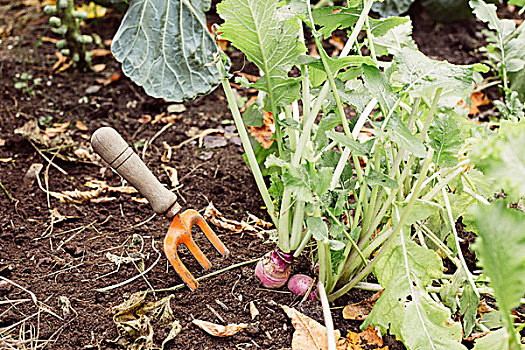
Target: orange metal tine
{"x":179,"y":232}
{"x":191,"y":217}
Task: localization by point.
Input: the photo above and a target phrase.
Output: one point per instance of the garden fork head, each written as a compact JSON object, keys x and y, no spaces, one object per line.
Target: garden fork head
{"x":180,"y":233}
{"x":108,"y":143}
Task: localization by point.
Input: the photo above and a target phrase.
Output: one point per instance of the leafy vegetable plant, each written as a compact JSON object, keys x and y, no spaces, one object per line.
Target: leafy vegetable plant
{"x":505,"y":50}
{"x":65,"y":22}
{"x":379,"y":192}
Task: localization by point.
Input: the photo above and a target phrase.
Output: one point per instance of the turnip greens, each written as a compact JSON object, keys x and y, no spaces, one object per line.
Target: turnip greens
{"x":377,"y":193}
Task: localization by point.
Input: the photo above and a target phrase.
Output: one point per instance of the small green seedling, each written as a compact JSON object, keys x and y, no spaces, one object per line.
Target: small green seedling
{"x":26,"y":83}
{"x":65,"y":22}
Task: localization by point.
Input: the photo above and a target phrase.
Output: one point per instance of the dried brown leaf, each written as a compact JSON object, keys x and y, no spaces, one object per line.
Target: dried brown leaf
{"x":97,"y":68}
{"x":218,"y":330}
{"x":359,"y":311}
{"x":264,"y":133}
{"x":370,"y":338}
{"x":100,"y":52}
{"x":139,"y":200}
{"x":145,"y":118}
{"x":309,"y":334}
{"x":215,"y":217}
{"x":79,"y":124}
{"x":77,"y":196}
{"x":253,"y":310}
{"x":98,"y":184}
{"x":172,"y":174}
{"x":166,"y":155}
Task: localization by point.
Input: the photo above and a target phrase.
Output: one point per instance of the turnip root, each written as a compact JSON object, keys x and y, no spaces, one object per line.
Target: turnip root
{"x":273,"y":269}
{"x":300,"y":285}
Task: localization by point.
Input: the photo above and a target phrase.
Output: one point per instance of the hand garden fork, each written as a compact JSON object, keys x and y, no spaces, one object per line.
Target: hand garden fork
{"x":112,"y":148}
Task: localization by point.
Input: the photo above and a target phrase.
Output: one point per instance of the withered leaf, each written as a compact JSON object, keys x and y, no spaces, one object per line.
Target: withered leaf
{"x":218,"y":330}
{"x":359,"y":311}
{"x":309,"y":334}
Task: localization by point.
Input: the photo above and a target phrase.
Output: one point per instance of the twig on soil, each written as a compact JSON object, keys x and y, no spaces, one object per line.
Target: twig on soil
{"x":33,"y":296}
{"x":199,"y":136}
{"x":218,"y":272}
{"x":138,"y":225}
{"x":47,"y":159}
{"x":15,"y":301}
{"x":150,"y":141}
{"x":213,"y":311}
{"x":11,"y":199}
{"x":129,"y":280}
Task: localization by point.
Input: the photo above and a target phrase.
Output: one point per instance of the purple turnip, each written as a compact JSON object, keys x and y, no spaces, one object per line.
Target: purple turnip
{"x":300,"y":285}
{"x":273,"y":269}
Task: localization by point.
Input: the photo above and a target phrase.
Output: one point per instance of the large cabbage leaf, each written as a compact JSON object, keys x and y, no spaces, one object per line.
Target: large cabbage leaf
{"x":165,"y":47}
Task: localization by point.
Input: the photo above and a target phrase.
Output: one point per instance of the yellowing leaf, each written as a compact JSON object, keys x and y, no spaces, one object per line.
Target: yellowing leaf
{"x":359,"y":311}
{"x":79,"y":124}
{"x":309,"y":334}
{"x":370,"y":338}
{"x":477,"y":99}
{"x":218,"y":330}
{"x":93,"y":10}
{"x":264,"y":133}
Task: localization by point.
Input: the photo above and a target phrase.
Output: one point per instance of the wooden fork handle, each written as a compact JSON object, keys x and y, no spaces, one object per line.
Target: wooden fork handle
{"x":113,"y":149}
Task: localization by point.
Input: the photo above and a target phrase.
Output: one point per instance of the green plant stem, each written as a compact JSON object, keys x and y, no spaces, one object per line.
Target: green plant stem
{"x":297,"y":225}
{"x":377,"y":218}
{"x":370,"y":40}
{"x":325,"y":262}
{"x":304,"y":242}
{"x":456,"y":240}
{"x":309,"y":121}
{"x":6,"y":192}
{"x":446,"y":250}
{"x":329,"y":323}
{"x":397,"y":229}
{"x":198,"y":279}
{"x":252,"y":160}
{"x":431,"y":114}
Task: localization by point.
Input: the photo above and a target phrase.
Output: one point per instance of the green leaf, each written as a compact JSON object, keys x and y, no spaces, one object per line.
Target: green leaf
{"x":488,"y":14}
{"x":468,"y":308}
{"x":420,"y":211}
{"x":502,"y":159}
{"x":451,"y":288}
{"x":381,"y":26}
{"x":494,"y":340}
{"x":354,"y":94}
{"x":395,"y":39}
{"x":427,"y":325}
{"x":520,"y":3}
{"x":404,"y":138}
{"x":375,"y":178}
{"x":253,"y":116}
{"x":322,"y":180}
{"x":405,"y":308}
{"x":422,"y":76}
{"x":318,"y":228}
{"x":299,"y":182}
{"x":500,"y":247}
{"x":268,"y":36}
{"x":379,"y":86}
{"x":333,"y":18}
{"x":445,"y":139}
{"x":165,"y":47}
{"x":317,"y":70}
{"x":356,"y":147}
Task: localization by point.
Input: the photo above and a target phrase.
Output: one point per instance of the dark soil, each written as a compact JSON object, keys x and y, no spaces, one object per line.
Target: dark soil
{"x":68,"y":258}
